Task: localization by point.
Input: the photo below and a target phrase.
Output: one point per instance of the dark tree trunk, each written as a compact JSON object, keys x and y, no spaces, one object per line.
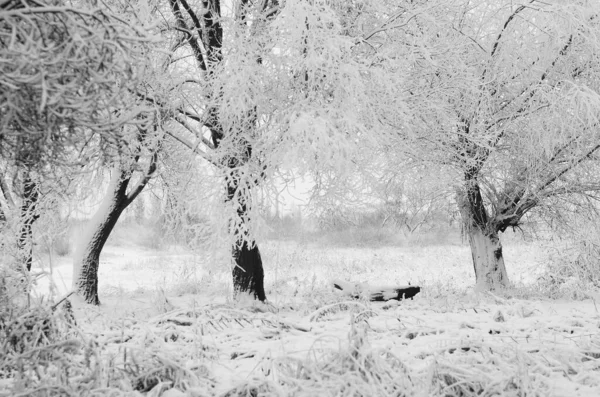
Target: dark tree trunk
{"x":248,"y":273}
{"x":28,"y":217}
{"x":206,"y":47}
{"x":486,"y":249}
{"x":87,"y":258}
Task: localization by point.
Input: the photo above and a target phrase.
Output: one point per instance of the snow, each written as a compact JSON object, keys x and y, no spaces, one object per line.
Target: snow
{"x":174,"y":300}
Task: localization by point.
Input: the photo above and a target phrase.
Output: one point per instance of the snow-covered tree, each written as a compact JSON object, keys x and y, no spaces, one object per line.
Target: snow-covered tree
{"x":273,"y":84}
{"x":67,"y":81}
{"x":506,"y":95}
{"x":129,"y":176}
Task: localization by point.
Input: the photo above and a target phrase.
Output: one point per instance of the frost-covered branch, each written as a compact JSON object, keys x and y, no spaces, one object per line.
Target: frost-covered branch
{"x":65,"y":74}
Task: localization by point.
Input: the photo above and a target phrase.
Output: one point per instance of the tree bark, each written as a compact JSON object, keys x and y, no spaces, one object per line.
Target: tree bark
{"x":8,"y":203}
{"x":248,"y":272}
{"x":206,"y":47}
{"x":488,"y":261}
{"x":87,"y":257}
{"x":486,"y":249}
{"x":28,"y":217}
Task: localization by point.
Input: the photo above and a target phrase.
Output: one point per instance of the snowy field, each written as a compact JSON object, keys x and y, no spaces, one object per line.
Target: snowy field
{"x":170,"y":309}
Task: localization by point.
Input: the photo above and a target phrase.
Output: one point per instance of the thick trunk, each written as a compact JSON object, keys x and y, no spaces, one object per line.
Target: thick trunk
{"x":87,"y":256}
{"x":488,"y":261}
{"x":28,"y":217}
{"x":248,"y":273}
{"x":486,"y":249}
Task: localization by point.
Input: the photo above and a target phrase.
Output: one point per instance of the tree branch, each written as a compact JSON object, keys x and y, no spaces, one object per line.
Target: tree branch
{"x":196,"y":49}
{"x":6,"y":192}
{"x":181,"y":111}
{"x":506,"y":23}
{"x":144,"y":180}
{"x":194,"y":147}
{"x":188,"y":127}
{"x":553,"y":178}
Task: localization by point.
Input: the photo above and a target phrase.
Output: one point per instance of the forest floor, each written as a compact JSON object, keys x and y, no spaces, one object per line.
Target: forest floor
{"x":309,"y":340}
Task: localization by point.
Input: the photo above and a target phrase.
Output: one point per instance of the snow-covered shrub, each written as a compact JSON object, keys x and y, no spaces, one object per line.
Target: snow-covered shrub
{"x":44,"y":353}
{"x":573,"y":268}
{"x":36,"y":349}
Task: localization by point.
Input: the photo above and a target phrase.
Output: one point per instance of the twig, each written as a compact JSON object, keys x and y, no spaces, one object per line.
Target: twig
{"x":62,"y":300}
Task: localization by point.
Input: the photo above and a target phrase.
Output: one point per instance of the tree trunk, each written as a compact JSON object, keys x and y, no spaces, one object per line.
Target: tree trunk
{"x":486,"y":250}
{"x":488,"y":261}
{"x":8,"y":204}
{"x":87,"y":256}
{"x":28,"y":218}
{"x":248,"y":273}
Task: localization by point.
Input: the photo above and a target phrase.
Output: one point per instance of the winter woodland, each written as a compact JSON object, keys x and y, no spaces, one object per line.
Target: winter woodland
{"x":299,"y":198}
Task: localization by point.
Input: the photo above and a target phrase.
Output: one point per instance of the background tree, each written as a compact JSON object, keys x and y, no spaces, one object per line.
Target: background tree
{"x":130,"y":175}
{"x":273,"y":84}
{"x":505,"y":95}
{"x":66,"y":75}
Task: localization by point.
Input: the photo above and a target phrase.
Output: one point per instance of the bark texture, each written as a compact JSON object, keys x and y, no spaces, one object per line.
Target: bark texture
{"x":248,"y":273}
{"x":28,"y":217}
{"x":488,"y":261}
{"x":87,"y":260}
{"x":206,"y":46}
{"x":486,"y":249}
{"x":117,"y":198}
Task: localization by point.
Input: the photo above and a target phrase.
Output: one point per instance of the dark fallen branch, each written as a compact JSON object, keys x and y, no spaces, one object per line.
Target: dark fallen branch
{"x":377,"y":294}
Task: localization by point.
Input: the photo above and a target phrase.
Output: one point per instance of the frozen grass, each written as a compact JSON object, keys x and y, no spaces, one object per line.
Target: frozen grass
{"x":168,"y":328}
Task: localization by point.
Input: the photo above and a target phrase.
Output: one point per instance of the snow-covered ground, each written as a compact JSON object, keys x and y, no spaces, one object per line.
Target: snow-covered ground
{"x":311,"y":341}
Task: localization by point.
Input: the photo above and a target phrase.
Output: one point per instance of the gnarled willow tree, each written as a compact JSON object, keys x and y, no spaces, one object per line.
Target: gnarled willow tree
{"x":505,"y":95}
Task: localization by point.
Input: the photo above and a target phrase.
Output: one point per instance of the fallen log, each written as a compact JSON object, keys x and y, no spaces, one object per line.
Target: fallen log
{"x":377,"y":294}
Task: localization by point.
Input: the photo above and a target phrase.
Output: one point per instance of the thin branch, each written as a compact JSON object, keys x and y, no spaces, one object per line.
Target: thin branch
{"x":543,"y":77}
{"x":155,"y":101}
{"x":508,"y":20}
{"x":196,"y":49}
{"x":6,"y":192}
{"x":561,"y":149}
{"x":472,"y":39}
{"x":144,"y":180}
{"x":194,"y":147}
{"x":553,"y":178}
{"x":385,"y":26}
{"x":188,"y":127}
